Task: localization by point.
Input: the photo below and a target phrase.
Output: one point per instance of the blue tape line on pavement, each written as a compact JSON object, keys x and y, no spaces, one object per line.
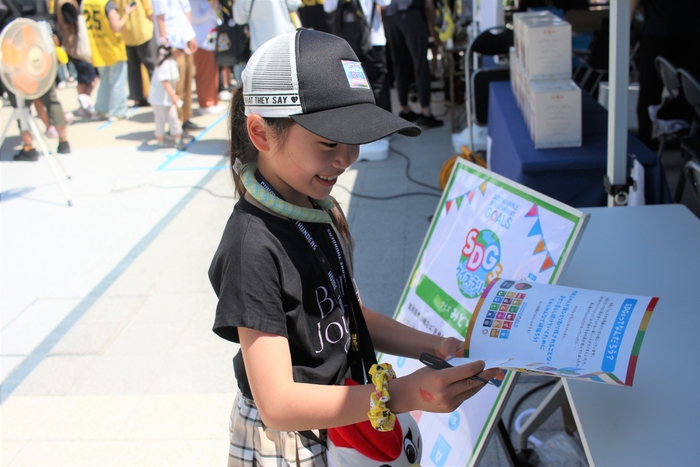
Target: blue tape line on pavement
{"x":28,"y":365}
{"x":180,"y":152}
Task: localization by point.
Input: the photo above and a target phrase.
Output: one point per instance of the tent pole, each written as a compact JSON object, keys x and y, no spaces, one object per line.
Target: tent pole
{"x":617,"y":111}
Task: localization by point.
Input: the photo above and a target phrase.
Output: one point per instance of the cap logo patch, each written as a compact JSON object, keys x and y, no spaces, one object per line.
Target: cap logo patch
{"x":355,"y":74}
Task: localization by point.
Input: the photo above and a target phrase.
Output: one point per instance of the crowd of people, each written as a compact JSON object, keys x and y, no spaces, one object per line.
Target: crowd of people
{"x":155,"y":52}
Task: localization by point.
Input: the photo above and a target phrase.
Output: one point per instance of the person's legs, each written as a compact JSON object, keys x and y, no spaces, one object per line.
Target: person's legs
{"x":133,"y":64}
{"x":117,"y":90}
{"x":415,"y":33}
{"x":103,"y":90}
{"x":374,"y":64}
{"x":148,"y":53}
{"x":87,"y":78}
{"x":28,"y":152}
{"x":400,"y":57}
{"x":56,"y":118}
{"x":159,"y":116}
{"x":206,"y":78}
{"x":174,"y":126}
{"x":183,"y":89}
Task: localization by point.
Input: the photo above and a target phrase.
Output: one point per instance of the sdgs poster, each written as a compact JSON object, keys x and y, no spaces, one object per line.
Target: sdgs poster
{"x":485,"y":227}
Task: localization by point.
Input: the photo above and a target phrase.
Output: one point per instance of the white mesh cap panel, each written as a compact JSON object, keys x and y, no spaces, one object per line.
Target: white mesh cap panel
{"x":270,"y":84}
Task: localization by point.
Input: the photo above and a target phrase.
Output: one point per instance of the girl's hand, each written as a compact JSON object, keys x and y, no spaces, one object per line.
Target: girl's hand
{"x":437,"y":390}
{"x":450,"y":348}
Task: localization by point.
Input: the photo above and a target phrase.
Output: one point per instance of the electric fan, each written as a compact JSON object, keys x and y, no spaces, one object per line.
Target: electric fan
{"x":28,"y":69}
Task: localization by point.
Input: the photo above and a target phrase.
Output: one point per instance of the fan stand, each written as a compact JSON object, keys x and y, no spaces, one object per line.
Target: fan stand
{"x":24,"y":115}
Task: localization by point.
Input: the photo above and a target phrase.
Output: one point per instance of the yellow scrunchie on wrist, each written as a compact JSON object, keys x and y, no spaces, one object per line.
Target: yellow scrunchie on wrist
{"x":380,"y":416}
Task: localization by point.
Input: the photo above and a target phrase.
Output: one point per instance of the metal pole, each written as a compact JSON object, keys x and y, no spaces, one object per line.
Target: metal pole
{"x":617,"y":109}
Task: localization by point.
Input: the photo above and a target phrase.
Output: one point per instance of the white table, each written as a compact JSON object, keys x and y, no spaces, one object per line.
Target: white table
{"x":655,"y":251}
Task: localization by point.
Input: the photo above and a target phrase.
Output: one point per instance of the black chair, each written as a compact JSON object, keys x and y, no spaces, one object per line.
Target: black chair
{"x":494,"y":42}
{"x":691,"y":170}
{"x":671,"y":118}
{"x":690,"y":145}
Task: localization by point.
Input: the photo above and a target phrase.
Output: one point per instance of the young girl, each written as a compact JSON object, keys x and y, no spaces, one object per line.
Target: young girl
{"x":163,"y":99}
{"x":283,"y":269}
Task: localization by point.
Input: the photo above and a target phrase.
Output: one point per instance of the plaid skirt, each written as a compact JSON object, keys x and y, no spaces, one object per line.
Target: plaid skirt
{"x":253,"y":444}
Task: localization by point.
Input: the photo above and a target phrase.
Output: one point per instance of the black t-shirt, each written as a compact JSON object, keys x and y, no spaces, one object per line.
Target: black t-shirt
{"x":267,"y":278}
{"x":312,"y":16}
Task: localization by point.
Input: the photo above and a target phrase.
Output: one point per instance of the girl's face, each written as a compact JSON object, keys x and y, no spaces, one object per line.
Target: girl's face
{"x":304,"y":165}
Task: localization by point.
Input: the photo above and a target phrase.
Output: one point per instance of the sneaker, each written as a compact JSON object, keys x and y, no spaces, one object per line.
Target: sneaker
{"x":190,"y":125}
{"x":429,"y":121}
{"x":98,"y":116}
{"x":166,"y":143}
{"x":141,"y":103}
{"x":212,"y":110}
{"x":51,"y":132}
{"x":181,"y":145}
{"x":86,"y":104}
{"x":114,"y":118}
{"x":30,"y":156}
{"x":411,"y":116}
{"x":225,"y":96}
{"x":188,"y":138}
{"x":63,"y":147}
{"x":61,"y":85}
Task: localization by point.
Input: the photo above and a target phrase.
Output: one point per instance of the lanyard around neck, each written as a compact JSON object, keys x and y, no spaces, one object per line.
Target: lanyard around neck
{"x":361,"y":358}
{"x":339,"y":287}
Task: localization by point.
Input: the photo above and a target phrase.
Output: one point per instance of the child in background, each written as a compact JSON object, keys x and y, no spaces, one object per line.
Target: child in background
{"x":283,"y":271}
{"x":163,"y":99}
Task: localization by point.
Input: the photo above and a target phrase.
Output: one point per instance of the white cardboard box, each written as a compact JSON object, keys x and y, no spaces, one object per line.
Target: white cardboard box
{"x":545,"y":46}
{"x":554,"y":113}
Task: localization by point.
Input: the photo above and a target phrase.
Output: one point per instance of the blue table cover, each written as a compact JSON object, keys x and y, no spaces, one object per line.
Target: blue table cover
{"x":575,"y":175}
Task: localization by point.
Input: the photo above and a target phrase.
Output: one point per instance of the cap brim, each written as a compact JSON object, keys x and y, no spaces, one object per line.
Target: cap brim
{"x":356,"y":124}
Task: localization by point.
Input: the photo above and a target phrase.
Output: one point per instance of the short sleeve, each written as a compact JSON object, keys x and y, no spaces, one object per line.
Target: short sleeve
{"x":247,"y":279}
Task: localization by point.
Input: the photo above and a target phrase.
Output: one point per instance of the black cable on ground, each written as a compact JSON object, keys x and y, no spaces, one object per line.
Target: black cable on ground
{"x":408,"y":166}
{"x":511,"y":418}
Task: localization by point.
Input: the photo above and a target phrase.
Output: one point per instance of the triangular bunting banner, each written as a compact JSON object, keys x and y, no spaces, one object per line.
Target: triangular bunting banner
{"x":459,"y":201}
{"x":536,"y":229}
{"x":482,"y":187}
{"x":470,"y":195}
{"x":540,"y":247}
{"x":532,"y":212}
{"x":548,"y":263}
{"x":448,"y":205}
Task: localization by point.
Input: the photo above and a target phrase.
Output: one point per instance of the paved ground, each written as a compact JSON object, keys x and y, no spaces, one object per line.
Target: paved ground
{"x":106,"y":350}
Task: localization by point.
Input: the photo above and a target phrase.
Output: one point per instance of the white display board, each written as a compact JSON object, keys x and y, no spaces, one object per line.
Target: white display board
{"x":485,"y":226}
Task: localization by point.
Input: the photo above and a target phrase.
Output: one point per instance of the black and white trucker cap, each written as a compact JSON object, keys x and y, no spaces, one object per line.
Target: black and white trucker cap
{"x":316,"y":79}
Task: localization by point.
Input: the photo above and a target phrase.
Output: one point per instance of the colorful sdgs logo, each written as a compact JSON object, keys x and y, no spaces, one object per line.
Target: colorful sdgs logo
{"x":480,"y":262}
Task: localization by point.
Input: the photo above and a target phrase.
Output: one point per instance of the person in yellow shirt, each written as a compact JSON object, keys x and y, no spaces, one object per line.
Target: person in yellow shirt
{"x":141,"y":47}
{"x":104,"y":24}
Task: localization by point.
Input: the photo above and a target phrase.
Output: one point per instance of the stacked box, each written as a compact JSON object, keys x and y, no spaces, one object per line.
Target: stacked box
{"x":540,"y":70}
{"x":554,"y":113}
{"x":543,"y":44}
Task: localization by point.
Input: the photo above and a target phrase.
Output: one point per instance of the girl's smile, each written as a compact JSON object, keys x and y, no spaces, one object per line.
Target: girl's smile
{"x":303,"y":165}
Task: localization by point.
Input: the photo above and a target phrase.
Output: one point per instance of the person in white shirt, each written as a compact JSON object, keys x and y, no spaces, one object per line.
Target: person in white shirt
{"x":266,"y":18}
{"x":174,"y":29}
{"x":163,"y":98}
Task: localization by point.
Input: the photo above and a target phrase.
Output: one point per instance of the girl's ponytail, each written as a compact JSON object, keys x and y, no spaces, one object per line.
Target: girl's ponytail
{"x":240,"y":146}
